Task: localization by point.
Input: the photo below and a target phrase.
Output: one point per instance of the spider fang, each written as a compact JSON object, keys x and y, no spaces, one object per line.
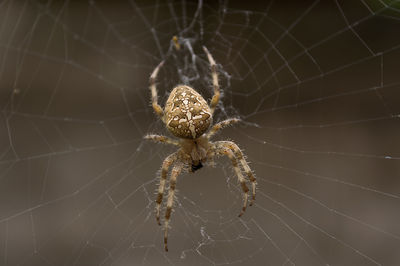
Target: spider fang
{"x":196,"y":167}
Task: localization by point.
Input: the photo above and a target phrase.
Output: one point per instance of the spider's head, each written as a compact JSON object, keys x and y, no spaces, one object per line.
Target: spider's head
{"x":187,"y":114}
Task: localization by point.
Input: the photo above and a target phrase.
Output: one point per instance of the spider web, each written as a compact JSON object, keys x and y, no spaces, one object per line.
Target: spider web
{"x":315,"y":82}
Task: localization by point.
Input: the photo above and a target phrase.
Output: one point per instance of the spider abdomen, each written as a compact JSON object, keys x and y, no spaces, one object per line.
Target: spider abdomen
{"x":187,"y":114}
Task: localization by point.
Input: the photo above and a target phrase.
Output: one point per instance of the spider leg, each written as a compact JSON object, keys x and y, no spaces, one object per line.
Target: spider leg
{"x":162,"y":139}
{"x":157,"y":108}
{"x":171,"y":194}
{"x":217,"y":127}
{"x":164,"y":171}
{"x":214,"y":74}
{"x":239,"y":155}
{"x":226,"y":151}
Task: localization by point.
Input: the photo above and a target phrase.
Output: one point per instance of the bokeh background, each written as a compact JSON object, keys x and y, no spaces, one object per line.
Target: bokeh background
{"x":316,"y":84}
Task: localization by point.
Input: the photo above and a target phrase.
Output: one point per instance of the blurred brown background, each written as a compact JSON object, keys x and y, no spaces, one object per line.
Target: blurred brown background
{"x":315,"y":82}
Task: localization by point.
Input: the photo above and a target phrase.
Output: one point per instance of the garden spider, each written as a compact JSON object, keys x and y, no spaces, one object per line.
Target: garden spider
{"x":188,"y":116}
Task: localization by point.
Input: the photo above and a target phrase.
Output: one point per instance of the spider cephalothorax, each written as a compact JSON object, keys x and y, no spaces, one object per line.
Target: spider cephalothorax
{"x":188,"y":117}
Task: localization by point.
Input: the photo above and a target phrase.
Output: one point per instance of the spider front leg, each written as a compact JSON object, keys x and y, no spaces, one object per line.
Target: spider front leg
{"x":225,"y":151}
{"x":217,"y":127}
{"x":239,"y":155}
{"x":157,"y":108}
{"x":214,"y":74}
{"x":164,"y":171}
{"x":162,"y":139}
{"x":171,"y":194}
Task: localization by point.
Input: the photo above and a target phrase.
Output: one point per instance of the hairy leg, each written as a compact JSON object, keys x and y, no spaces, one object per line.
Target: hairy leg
{"x":171,"y":194}
{"x":217,"y":127}
{"x":164,"y":172}
{"x":239,"y":155}
{"x":214,"y":74}
{"x":225,"y":151}
{"x":162,"y":139}
{"x":157,"y":108}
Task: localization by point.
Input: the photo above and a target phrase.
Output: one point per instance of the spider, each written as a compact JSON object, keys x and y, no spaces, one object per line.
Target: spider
{"x":188,"y":117}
